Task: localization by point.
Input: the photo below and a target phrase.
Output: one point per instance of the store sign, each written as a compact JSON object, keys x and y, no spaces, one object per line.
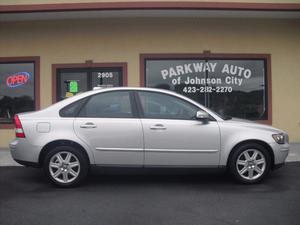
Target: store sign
{"x":184,"y":74}
{"x":105,"y":75}
{"x":17,"y":79}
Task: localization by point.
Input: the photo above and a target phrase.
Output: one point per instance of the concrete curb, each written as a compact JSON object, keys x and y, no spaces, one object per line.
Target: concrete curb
{"x":6,"y":159}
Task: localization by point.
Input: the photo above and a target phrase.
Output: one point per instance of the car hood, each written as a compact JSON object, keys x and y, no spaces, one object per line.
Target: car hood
{"x":254,"y":125}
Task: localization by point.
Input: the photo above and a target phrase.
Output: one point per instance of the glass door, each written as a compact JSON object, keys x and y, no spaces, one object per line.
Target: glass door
{"x":72,"y":81}
{"x":106,"y":77}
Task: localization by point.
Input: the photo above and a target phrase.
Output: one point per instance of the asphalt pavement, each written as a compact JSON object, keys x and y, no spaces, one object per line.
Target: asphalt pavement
{"x":150,"y":197}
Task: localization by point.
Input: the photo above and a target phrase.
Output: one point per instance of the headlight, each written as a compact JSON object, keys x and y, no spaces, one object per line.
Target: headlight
{"x":280,"y":138}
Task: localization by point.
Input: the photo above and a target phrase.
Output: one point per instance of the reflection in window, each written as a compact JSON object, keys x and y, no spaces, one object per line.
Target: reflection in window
{"x":229,"y":87}
{"x":16,"y":90}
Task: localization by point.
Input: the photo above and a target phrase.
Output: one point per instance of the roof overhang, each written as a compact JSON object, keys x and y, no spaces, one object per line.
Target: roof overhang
{"x":148,"y":9}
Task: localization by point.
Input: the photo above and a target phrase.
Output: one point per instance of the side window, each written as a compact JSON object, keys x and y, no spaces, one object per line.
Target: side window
{"x":108,"y":105}
{"x":163,"y":106}
{"x":72,"y":109}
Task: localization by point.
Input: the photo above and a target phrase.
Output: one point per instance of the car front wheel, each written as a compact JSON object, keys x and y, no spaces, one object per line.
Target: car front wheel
{"x":66,"y":166}
{"x":250,"y":163}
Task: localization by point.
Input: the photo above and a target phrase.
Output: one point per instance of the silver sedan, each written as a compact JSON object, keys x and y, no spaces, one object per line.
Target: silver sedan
{"x":142,"y":127}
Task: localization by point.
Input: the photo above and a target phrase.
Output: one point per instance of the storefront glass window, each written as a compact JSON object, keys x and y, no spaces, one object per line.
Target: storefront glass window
{"x":16,"y":90}
{"x":170,"y":75}
{"x":230,"y":87}
{"x":242,"y":92}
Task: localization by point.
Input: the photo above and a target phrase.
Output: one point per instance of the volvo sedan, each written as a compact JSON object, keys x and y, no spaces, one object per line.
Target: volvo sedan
{"x":142,"y":127}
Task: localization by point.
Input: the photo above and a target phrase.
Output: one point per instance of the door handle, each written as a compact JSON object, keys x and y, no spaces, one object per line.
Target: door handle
{"x":158,"y":127}
{"x":88,"y":125}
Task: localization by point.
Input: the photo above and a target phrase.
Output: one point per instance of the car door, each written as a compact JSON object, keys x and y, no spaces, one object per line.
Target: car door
{"x":172,"y":135}
{"x":109,"y":125}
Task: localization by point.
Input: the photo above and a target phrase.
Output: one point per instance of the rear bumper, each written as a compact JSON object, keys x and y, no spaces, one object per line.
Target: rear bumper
{"x":24,"y":153}
{"x":30,"y":164}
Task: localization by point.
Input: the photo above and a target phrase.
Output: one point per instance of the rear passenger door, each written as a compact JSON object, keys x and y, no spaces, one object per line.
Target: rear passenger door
{"x":108,"y":123}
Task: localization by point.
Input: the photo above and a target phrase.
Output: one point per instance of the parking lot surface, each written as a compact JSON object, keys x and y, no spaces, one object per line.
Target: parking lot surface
{"x":154,"y":197}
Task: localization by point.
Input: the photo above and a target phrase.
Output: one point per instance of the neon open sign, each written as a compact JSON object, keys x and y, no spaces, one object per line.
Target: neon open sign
{"x":17,"y":79}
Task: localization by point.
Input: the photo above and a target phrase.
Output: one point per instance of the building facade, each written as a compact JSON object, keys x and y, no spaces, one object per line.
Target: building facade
{"x":238,"y":58}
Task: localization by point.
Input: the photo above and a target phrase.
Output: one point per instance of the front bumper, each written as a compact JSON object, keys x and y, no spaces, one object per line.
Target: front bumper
{"x":277,"y":166}
{"x":280,"y":152}
{"x":24,"y":153}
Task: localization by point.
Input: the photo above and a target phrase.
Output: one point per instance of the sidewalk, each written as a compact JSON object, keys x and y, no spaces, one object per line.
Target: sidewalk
{"x":6,"y":159}
{"x":294,"y":154}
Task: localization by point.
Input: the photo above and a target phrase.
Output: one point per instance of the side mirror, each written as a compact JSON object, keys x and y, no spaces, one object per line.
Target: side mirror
{"x":202,"y":115}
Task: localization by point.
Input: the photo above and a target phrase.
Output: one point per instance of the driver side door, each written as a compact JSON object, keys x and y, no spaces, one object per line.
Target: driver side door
{"x":172,"y":135}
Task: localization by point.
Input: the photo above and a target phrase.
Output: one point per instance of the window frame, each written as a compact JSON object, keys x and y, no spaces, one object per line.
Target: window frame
{"x":207,"y":55}
{"x":88,"y":65}
{"x":36,"y":64}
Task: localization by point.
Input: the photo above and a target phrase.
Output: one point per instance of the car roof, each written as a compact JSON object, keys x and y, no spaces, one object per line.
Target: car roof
{"x":100,"y":90}
{"x":132,"y":88}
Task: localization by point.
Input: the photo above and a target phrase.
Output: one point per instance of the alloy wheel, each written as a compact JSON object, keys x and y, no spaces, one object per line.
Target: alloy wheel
{"x":251,"y":164}
{"x":64,"y":167}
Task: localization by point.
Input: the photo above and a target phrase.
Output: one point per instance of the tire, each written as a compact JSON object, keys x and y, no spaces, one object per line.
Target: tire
{"x":245,"y":168}
{"x":66,"y":166}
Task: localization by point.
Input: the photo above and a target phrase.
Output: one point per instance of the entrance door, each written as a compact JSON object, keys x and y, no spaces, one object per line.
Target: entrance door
{"x":71,"y":81}
{"x":106,"y":77}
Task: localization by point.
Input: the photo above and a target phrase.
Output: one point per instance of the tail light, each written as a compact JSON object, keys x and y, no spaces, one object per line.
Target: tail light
{"x":19,"y":129}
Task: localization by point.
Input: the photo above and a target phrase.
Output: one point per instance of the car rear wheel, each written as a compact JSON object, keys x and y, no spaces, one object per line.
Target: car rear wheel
{"x":250,"y":163}
{"x":66,"y":166}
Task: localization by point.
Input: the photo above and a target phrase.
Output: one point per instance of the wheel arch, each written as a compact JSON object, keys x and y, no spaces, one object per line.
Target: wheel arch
{"x":61,"y":142}
{"x":252,"y":141}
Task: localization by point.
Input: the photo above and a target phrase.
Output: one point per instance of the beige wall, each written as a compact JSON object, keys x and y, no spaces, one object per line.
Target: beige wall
{"x":12,"y":2}
{"x":123,"y":41}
